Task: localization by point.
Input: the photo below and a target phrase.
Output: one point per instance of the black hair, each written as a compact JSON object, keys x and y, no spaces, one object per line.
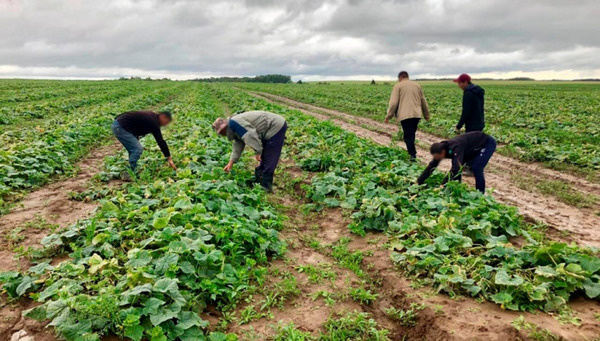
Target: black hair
{"x":403,"y":74}
{"x":437,"y":148}
{"x":167,"y":113}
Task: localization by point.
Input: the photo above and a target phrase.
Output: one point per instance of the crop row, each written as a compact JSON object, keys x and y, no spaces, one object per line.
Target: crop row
{"x":17,"y":114}
{"x":554,"y":123}
{"x":454,"y":238}
{"x":34,"y":154}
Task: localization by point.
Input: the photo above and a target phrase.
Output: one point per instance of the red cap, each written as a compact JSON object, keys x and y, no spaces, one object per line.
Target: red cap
{"x":464,"y":78}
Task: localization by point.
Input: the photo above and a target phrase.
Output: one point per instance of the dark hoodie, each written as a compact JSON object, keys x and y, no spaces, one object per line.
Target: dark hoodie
{"x":472,"y":109}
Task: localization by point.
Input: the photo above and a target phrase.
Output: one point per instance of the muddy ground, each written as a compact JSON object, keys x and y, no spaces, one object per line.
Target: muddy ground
{"x":572,"y":223}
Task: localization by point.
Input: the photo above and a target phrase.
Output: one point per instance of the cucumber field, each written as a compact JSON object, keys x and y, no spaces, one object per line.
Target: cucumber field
{"x":347,"y":246}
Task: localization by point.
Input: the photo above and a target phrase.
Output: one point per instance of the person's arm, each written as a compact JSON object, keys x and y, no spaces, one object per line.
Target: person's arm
{"x":424,"y":105}
{"x":161,"y":143}
{"x":236,"y":152}
{"x":394,"y":103}
{"x":164,"y":148}
{"x":427,"y":172}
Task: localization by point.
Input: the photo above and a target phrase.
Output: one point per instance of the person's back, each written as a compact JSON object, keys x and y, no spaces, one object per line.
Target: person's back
{"x":265,"y":123}
{"x":410,"y":97}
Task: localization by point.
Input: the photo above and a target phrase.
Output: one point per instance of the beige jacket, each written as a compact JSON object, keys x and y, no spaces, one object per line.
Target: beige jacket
{"x":407,"y":101}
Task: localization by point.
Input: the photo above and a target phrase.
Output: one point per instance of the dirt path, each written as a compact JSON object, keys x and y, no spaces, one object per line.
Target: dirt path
{"x":438,"y":317}
{"x":574,"y":224}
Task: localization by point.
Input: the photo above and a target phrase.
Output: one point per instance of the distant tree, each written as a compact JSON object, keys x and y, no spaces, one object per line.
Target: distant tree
{"x":373,"y":82}
{"x":299,"y":81}
{"x":521,"y":79}
{"x":258,"y":79}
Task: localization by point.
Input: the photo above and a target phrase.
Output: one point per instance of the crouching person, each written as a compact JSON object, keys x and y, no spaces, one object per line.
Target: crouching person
{"x":474,"y":149}
{"x":262,"y":131}
{"x":130,"y":126}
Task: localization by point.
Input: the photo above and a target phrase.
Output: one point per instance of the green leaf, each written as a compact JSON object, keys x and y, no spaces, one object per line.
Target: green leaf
{"x":26,"y":283}
{"x":160,"y":222}
{"x":188,"y":319}
{"x":502,"y":278}
{"x":38,"y":313}
{"x":502,"y":298}
{"x":163,"y":264}
{"x":152,"y":304}
{"x":166,"y":285}
{"x":134,"y":332}
{"x":546,"y":271}
{"x":139,"y":258}
{"x":592,"y":290}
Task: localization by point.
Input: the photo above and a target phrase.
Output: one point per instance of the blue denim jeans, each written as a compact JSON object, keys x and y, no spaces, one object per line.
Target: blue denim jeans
{"x":130,"y":142}
{"x":478,"y":164}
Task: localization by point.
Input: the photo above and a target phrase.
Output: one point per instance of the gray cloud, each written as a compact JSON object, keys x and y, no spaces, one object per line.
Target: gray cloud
{"x":306,"y":38}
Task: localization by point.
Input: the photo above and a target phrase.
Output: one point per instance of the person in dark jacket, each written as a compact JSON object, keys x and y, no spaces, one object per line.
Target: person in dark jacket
{"x":474,"y":149}
{"x":472,"y":117}
{"x":130,"y":126}
{"x":262,"y":131}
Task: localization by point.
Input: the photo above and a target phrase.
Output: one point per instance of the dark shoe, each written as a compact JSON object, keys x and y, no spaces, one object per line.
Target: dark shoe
{"x":413,"y":159}
{"x":267,"y":182}
{"x":125,"y":176}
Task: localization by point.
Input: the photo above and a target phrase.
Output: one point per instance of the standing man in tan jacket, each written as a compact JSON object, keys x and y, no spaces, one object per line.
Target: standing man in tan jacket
{"x":408,"y":105}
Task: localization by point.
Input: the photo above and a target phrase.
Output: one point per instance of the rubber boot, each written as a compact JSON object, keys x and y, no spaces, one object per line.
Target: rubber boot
{"x":267,"y":182}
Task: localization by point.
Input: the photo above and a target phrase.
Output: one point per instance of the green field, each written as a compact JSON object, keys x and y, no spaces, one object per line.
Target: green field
{"x":557,"y":123}
{"x":170,"y":248}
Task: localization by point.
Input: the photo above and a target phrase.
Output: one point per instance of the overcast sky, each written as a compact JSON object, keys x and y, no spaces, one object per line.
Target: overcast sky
{"x":328,"y":39}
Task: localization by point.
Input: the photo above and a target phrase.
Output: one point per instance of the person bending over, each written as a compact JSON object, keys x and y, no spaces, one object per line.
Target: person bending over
{"x":128,"y":127}
{"x":474,"y":149}
{"x":262,"y":131}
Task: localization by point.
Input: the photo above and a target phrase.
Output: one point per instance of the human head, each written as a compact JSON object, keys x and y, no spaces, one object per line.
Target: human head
{"x":463,"y":81}
{"x":164,"y":118}
{"x":220,"y":126}
{"x":438,"y":150}
{"x":402,"y":75}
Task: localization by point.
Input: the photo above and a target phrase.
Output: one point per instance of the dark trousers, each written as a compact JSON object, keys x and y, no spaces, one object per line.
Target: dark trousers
{"x":272,"y":152}
{"x":409,"y":128}
{"x":478,"y":163}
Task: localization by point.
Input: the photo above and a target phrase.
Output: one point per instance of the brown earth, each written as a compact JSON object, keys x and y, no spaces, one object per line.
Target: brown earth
{"x":573,"y":224}
{"x":442,"y":318}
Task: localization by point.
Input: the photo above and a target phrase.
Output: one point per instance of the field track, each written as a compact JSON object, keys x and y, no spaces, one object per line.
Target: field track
{"x":580,"y":224}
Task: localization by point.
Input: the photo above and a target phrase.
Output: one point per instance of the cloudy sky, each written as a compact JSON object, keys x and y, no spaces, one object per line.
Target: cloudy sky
{"x":309,"y":39}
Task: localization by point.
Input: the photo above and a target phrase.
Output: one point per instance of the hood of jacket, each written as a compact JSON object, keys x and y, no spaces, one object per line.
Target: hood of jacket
{"x":475,"y":90}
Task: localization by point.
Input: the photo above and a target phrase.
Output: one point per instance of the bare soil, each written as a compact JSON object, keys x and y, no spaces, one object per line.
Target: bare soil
{"x":443,"y":318}
{"x":573,"y":224}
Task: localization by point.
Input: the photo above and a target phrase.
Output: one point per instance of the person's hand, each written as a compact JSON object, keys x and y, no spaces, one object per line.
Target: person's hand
{"x":228,"y":167}
{"x":387,"y":121}
{"x":258,"y":158}
{"x":171,"y":163}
